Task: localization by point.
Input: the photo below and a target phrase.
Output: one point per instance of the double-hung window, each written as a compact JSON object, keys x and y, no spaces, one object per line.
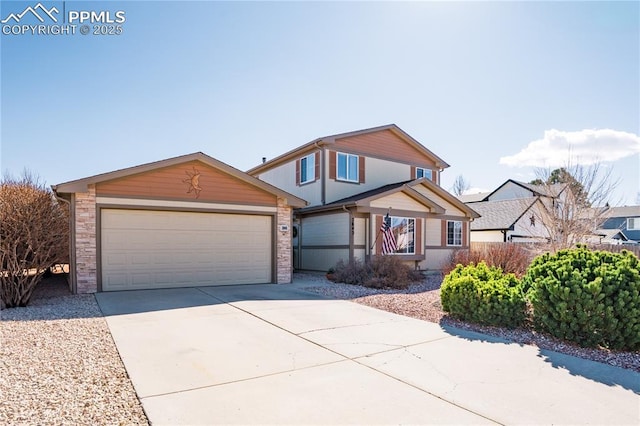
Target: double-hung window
{"x":423,"y":173}
{"x":403,"y":229}
{"x":633,"y":223}
{"x":308,"y":169}
{"x":454,"y":233}
{"x":347,"y":167}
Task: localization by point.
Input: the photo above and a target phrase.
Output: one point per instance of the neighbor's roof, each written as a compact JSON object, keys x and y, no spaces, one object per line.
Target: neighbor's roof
{"x":611,"y":234}
{"x":540,"y":190}
{"x":406,"y":187}
{"x":329,"y":140}
{"x":81,"y":185}
{"x":499,"y":215}
{"x":473,"y":198}
{"x":623,"y":211}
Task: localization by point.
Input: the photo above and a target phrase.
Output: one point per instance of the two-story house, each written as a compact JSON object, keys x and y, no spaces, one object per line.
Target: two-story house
{"x":354,"y":180}
{"x":513,"y":212}
{"x":624,"y":221}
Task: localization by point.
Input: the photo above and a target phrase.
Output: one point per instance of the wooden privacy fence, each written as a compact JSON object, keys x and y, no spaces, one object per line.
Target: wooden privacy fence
{"x":539,"y":248}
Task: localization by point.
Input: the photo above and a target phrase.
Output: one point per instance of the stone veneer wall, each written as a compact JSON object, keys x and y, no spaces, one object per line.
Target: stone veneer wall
{"x":284,"y":261}
{"x":85,"y":244}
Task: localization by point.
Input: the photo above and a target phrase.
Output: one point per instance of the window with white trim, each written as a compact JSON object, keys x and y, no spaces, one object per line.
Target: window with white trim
{"x":423,"y":173}
{"x":347,"y":167}
{"x":633,"y":223}
{"x":403,"y":229}
{"x":308,"y":169}
{"x":454,"y":233}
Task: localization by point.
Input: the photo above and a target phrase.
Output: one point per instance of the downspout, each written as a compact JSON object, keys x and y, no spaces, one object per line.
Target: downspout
{"x":72,"y":245}
{"x":322,"y":173}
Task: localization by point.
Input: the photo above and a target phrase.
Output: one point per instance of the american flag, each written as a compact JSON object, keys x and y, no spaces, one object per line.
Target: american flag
{"x":389,"y":244}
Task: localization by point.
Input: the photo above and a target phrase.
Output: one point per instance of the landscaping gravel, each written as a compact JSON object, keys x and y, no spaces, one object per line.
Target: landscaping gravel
{"x":422,"y":301}
{"x":59,"y":364}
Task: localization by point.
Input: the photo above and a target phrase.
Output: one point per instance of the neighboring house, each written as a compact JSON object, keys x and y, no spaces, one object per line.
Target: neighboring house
{"x":625,"y":219}
{"x":351,"y":181}
{"x":513,"y":189}
{"x":181,"y":222}
{"x":513,"y":211}
{"x":609,"y":236}
{"x":508,"y":221}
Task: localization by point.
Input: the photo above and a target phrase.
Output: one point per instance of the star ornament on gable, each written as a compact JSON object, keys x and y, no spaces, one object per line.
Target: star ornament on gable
{"x":193,"y":180}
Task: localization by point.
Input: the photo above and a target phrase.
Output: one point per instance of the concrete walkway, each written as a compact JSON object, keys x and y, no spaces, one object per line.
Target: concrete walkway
{"x":270,"y":354}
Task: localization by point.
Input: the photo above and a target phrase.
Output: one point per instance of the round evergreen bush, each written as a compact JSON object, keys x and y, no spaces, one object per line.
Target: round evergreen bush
{"x":588,"y":297}
{"x":483,"y":294}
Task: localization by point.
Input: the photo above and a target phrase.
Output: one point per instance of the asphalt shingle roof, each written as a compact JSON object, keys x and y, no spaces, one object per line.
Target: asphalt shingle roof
{"x":499,"y":214}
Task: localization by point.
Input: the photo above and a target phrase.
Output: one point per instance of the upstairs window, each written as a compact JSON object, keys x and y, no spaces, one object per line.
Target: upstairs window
{"x":633,"y":223}
{"x":308,"y":169}
{"x":423,"y":173}
{"x":348,"y":167}
{"x":454,"y":233}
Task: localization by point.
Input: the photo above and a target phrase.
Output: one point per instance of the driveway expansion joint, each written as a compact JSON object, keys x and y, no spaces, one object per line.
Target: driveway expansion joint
{"x":246,"y":379}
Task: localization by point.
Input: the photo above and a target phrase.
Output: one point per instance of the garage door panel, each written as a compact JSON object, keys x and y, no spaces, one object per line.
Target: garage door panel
{"x":152,"y":249}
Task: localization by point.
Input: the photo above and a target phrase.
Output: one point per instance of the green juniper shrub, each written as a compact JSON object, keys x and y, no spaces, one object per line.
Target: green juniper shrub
{"x":588,"y":297}
{"x":379,"y":272}
{"x":483,"y":294}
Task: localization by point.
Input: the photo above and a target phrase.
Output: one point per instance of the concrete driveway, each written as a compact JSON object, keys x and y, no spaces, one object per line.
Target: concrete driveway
{"x":275,"y":354}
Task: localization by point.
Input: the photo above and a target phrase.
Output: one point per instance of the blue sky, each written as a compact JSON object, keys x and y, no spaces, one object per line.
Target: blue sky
{"x":478,"y":83}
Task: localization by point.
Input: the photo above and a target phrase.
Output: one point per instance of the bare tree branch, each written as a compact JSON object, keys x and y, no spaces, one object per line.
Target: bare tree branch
{"x":576,"y":200}
{"x":460,"y":185}
{"x":34,"y":231}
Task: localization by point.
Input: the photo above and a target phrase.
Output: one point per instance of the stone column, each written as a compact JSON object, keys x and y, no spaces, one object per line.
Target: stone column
{"x":284,"y":261}
{"x":85,"y":244}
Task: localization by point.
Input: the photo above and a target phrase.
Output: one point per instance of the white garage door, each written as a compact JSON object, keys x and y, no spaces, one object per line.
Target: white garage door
{"x":159,"y":249}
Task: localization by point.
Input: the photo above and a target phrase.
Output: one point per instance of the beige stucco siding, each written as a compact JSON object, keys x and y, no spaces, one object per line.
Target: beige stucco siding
{"x":450,"y":209}
{"x":435,"y":258}
{"x":433,"y":232}
{"x":284,"y":177}
{"x":377,"y":173}
{"x":399,"y":201}
{"x":322,"y":259}
{"x":325,"y":230}
{"x":359,"y":230}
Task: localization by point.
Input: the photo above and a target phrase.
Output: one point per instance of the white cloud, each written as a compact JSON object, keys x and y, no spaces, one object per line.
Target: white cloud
{"x":557,"y":148}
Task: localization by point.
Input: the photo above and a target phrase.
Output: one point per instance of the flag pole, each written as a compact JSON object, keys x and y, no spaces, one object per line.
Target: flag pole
{"x":379,"y":230}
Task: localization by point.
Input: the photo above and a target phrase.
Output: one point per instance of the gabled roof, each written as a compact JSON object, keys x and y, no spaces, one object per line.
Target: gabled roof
{"x":406,"y":187}
{"x":623,"y":211}
{"x":82,"y":185}
{"x":502,"y":214}
{"x":611,"y":234}
{"x":537,"y":190}
{"x":329,"y":140}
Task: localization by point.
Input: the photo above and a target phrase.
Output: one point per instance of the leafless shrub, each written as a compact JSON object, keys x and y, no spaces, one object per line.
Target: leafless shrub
{"x":510,"y":257}
{"x":34,"y":232}
{"x":379,"y":272}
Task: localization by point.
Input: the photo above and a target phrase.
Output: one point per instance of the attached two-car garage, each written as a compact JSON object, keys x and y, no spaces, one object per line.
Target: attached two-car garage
{"x":181,"y":222}
{"x":143,"y":249}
